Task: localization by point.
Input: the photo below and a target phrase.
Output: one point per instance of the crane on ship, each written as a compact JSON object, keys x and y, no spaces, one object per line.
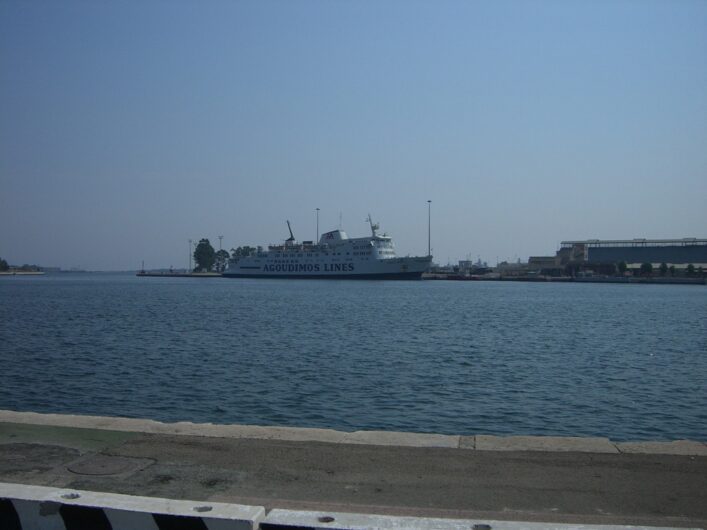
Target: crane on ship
{"x":290,"y":240}
{"x":374,"y":226}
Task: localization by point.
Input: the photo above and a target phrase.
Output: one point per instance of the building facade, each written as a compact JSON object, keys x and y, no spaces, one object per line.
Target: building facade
{"x":678,"y":252}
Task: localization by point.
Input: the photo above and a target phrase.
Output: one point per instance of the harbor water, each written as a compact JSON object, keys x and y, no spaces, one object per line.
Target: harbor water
{"x":624,"y":361}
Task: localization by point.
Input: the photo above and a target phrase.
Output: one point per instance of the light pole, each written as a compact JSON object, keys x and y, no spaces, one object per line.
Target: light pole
{"x":317,"y":240}
{"x":429,"y":230}
{"x":219,"y":242}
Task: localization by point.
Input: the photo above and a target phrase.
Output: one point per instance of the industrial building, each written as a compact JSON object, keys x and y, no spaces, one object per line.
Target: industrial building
{"x":678,"y":252}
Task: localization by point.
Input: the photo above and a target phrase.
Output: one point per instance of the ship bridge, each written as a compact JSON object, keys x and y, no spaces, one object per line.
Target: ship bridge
{"x":332,"y":237}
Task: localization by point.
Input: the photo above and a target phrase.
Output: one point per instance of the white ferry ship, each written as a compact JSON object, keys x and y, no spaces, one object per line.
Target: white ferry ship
{"x":335,"y":256}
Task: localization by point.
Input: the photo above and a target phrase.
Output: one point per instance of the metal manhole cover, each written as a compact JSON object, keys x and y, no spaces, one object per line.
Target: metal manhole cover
{"x":108,"y":465}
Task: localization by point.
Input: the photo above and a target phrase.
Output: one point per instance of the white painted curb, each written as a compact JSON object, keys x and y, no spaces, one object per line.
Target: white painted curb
{"x":42,"y":508}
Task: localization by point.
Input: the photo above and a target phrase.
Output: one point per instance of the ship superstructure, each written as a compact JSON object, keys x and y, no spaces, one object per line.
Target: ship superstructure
{"x":334,"y":256}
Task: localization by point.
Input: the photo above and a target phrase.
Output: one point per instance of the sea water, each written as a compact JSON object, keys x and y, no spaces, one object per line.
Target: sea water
{"x":624,"y":361}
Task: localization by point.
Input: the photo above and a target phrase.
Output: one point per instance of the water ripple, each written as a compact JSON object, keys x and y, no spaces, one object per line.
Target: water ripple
{"x":622,"y":361}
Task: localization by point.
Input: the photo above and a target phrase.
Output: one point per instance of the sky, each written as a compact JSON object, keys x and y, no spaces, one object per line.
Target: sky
{"x":128,"y":128}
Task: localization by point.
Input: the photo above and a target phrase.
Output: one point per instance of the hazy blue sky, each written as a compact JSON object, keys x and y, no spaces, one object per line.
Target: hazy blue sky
{"x":127,"y":128}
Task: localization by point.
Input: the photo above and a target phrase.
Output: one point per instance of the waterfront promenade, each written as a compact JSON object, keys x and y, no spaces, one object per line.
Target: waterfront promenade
{"x":574,"y":480}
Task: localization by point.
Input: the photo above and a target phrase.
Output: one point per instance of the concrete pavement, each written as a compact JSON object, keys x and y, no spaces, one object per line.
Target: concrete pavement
{"x":578,"y":480}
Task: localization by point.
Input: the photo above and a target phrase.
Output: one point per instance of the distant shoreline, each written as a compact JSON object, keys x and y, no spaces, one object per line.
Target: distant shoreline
{"x":568,"y":279}
{"x":425,"y":277}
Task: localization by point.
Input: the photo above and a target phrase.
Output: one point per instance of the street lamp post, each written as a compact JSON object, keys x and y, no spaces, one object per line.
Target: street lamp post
{"x":429,"y":231}
{"x":317,"y":240}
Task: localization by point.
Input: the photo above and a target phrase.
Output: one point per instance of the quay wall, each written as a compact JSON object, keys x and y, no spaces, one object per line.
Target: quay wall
{"x":479,"y":442}
{"x":69,"y":472}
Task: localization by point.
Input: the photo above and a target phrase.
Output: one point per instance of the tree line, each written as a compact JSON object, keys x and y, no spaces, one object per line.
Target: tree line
{"x":663,"y":270}
{"x":207,"y":259}
{"x":5,"y":266}
{"x":646,"y":270}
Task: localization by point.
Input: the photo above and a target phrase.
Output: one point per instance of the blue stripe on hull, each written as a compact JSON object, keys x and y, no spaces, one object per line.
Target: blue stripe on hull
{"x":381,"y":276}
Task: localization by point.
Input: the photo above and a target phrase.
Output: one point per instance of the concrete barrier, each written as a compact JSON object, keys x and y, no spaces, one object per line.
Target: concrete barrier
{"x":25,"y":507}
{"x":41,"y":508}
{"x":301,"y":520}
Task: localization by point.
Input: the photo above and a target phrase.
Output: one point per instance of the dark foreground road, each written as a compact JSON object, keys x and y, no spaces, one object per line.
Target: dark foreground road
{"x":462,"y":482}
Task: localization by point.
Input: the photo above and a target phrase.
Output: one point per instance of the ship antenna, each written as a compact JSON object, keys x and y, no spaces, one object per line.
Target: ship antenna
{"x":292,"y":237}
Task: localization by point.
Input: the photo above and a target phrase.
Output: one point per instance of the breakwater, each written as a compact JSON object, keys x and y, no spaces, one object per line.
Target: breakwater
{"x":168,"y":274}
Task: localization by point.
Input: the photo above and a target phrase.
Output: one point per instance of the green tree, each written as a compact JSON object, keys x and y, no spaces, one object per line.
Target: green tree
{"x":700,"y":272}
{"x":646,"y":269}
{"x":204,"y":256}
{"x":242,"y":252}
{"x":672,"y":270}
{"x":690,"y":269}
{"x":221,"y":260}
{"x":621,"y":265}
{"x":3,"y":265}
{"x":663,"y":269}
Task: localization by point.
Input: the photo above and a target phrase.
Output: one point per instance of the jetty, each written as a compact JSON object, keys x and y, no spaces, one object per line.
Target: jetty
{"x":167,"y":274}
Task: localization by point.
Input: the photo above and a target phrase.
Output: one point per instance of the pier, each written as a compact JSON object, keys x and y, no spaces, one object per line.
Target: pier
{"x":589,"y":481}
{"x":152,"y":274}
